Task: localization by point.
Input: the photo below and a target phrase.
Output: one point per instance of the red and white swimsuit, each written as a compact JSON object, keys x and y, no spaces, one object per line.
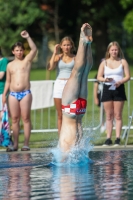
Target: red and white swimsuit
{"x":76,"y":108}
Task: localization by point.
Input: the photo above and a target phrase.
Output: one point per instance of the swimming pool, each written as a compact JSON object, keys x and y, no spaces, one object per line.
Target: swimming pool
{"x":25,"y":176}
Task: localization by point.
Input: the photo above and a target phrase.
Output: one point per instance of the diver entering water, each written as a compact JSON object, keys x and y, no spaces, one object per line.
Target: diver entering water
{"x":74,"y":99}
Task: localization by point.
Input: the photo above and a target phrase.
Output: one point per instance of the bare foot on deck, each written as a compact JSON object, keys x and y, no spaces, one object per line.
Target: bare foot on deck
{"x":86,"y":33}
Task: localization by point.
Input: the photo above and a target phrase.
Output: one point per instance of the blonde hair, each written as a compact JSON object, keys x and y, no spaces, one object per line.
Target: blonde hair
{"x":120,"y":53}
{"x":70,"y":40}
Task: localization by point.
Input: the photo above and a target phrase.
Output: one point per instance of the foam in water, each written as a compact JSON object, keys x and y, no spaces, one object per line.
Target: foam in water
{"x":78,"y":155}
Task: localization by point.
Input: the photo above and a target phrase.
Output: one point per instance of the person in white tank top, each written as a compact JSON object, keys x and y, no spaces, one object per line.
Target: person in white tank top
{"x":64,"y":62}
{"x":116,"y":72}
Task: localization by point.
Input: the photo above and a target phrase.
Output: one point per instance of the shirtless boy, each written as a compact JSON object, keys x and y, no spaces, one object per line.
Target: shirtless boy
{"x":18,"y":83}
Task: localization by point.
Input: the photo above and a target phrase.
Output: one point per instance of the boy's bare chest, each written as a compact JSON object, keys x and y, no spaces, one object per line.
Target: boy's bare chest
{"x":19,"y":69}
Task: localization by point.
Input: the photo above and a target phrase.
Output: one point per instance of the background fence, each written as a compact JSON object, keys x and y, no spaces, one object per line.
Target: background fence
{"x":45,"y":120}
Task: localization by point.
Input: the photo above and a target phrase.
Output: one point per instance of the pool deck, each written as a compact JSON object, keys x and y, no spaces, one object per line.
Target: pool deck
{"x":95,"y":148}
{"x":112,"y":148}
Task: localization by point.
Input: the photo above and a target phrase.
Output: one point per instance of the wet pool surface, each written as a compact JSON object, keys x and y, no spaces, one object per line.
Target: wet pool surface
{"x":29,"y":176}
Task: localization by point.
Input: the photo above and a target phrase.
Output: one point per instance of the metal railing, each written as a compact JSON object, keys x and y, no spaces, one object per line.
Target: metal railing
{"x":45,"y":120}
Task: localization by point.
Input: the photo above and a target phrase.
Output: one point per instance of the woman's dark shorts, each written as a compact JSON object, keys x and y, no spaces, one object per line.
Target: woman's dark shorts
{"x":113,"y":95}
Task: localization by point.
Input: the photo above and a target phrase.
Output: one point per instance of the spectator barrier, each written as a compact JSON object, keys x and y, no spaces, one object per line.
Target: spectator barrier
{"x":45,"y":119}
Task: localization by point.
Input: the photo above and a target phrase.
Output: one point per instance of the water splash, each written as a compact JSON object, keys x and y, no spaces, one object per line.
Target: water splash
{"x":78,"y":155}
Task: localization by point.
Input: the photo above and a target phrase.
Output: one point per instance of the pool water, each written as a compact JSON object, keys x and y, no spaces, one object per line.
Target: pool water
{"x":25,"y":176}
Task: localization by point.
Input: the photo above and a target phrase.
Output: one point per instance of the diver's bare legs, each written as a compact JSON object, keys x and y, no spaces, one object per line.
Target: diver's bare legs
{"x":84,"y":81}
{"x":71,"y":130}
{"x":83,"y":63}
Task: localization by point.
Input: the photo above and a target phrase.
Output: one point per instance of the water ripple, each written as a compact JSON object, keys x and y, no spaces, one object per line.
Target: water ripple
{"x":30,"y":176}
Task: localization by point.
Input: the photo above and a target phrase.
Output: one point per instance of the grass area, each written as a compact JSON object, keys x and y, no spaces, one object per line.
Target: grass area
{"x":40,"y":140}
{"x":102,"y":137}
{"x":50,"y":139}
{"x":42,"y":74}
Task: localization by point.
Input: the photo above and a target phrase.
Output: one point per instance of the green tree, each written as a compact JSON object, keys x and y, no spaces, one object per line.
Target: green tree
{"x":104,"y":16}
{"x":128,"y":20}
{"x":16,"y":16}
{"x":128,"y":26}
{"x":48,"y":20}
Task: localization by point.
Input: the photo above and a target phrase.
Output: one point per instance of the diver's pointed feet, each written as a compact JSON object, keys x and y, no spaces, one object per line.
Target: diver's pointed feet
{"x":86,"y":33}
